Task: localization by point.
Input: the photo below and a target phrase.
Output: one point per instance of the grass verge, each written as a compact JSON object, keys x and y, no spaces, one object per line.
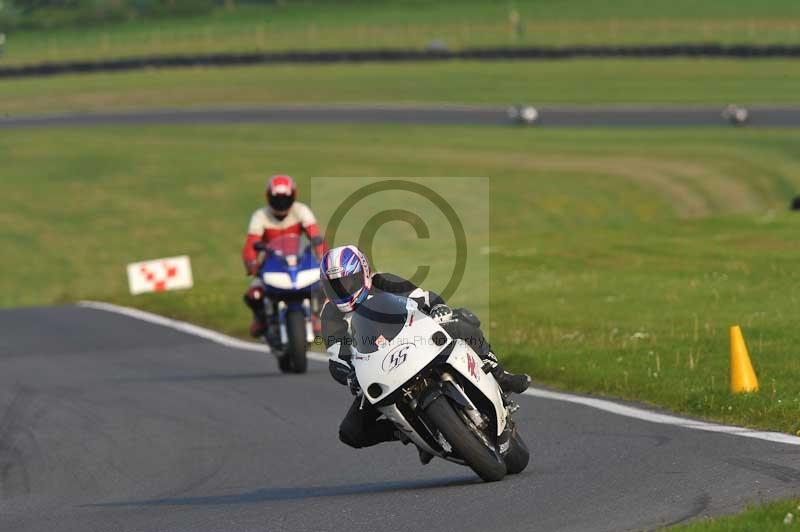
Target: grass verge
{"x":618,"y":257}
{"x":767,"y":518}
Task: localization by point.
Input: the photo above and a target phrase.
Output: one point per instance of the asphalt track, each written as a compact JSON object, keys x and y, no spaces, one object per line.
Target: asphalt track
{"x":109,"y":423}
{"x":445,"y":115}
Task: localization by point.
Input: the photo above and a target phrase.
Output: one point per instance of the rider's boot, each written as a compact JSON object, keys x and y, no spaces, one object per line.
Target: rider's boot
{"x":257,"y":327}
{"x":254,"y":299}
{"x":509,"y":382}
{"x":424,"y":456}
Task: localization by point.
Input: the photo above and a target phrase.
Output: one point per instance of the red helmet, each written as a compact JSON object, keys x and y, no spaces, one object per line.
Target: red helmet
{"x":281,"y":193}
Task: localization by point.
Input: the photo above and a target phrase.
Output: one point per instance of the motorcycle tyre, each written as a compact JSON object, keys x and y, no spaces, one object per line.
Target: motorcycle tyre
{"x":486,"y":463}
{"x":296,"y":350}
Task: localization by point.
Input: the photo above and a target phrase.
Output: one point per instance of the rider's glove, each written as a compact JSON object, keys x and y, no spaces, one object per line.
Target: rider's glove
{"x":352,"y":383}
{"x":441,"y":313}
{"x":251,"y":266}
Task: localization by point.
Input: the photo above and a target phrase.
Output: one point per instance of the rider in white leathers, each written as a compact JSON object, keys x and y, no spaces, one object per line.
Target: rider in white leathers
{"x":347,"y":282}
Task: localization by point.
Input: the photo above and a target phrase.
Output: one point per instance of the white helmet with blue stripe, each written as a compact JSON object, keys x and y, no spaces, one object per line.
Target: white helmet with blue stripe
{"x":345,"y":276}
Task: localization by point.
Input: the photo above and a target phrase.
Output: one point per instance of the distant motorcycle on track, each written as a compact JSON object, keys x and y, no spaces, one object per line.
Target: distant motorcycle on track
{"x":291,"y":283}
{"x":433,"y":388}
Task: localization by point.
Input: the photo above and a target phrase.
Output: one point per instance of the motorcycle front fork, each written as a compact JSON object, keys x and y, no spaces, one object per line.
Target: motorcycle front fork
{"x":283,"y":309}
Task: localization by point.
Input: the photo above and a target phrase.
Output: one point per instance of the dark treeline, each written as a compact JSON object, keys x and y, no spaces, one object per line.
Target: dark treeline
{"x":395,"y":56}
{"x":45,"y":14}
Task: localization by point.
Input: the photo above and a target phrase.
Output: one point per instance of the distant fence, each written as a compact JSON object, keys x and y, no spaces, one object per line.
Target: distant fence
{"x":398,"y":55}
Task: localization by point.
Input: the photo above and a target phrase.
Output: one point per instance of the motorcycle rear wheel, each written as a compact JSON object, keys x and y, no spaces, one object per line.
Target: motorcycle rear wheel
{"x":517,"y":456}
{"x":484,"y":461}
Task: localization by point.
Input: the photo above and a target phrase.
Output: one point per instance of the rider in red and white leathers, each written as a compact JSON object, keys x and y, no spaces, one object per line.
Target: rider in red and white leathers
{"x":282,"y":216}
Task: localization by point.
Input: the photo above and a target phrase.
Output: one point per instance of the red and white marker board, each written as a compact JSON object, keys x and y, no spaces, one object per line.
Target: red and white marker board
{"x":159,"y":275}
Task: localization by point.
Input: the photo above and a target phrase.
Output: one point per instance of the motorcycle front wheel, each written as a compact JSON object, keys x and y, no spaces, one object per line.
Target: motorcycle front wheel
{"x":296,"y":350}
{"x":483,"y":460}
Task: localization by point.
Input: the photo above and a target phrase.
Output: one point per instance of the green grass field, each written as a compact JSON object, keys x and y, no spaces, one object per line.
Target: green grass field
{"x":298,"y":25}
{"x":582,"y":82}
{"x":618,"y":257}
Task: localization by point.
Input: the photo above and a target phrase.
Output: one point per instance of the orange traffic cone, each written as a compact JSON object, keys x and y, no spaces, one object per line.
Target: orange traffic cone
{"x":743,"y":378}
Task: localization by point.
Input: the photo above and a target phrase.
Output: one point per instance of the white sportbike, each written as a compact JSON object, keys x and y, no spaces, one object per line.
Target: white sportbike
{"x":433,"y":388}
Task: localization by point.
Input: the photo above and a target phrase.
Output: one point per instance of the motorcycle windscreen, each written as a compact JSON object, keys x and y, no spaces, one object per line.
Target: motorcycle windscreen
{"x":378,"y":320}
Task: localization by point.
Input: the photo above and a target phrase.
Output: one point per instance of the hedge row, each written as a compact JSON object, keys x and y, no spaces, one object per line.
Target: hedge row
{"x":394,"y":55}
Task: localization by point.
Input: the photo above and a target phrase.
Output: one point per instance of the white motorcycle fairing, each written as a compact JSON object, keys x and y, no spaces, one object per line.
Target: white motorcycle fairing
{"x":464,"y":360}
{"x":383,"y":372}
{"x":306,"y":278}
{"x":397,"y":360}
{"x":278,"y":280}
{"x":283,"y":281}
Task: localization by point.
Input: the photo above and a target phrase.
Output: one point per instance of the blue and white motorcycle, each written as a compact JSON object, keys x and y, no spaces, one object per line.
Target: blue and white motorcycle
{"x":293,"y":296}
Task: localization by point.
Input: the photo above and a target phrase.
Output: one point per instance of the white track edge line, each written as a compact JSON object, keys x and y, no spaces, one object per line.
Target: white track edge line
{"x":663,"y":419}
{"x":188,"y":328}
{"x":591,"y":402}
